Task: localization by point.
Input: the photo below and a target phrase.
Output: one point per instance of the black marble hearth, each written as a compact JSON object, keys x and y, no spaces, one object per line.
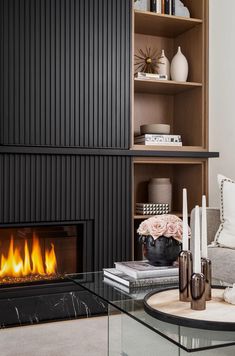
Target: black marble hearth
{"x":46,"y":303}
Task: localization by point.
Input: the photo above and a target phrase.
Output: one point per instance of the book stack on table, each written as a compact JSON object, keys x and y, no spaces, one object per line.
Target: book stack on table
{"x":151,"y":209}
{"x":135,"y":275}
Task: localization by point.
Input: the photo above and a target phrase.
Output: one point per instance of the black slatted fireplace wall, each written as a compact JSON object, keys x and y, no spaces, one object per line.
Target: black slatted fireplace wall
{"x":68,"y":190}
{"x":65,"y":119}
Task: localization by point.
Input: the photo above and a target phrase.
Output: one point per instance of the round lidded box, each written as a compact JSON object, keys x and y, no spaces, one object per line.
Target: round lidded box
{"x":155,"y":129}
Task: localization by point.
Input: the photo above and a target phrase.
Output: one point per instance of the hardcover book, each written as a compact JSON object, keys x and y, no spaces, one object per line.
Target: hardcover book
{"x":167,"y":7}
{"x":143,"y":269}
{"x":125,"y":280}
{"x":173,"y":7}
{"x":153,"y":5}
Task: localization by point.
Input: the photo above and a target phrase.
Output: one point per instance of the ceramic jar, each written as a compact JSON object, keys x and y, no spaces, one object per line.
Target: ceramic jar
{"x":179,"y":67}
{"x":142,"y":5}
{"x":164,"y":65}
{"x":160,"y":191}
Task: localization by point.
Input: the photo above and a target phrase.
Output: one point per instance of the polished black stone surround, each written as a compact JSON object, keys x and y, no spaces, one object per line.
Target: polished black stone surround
{"x":47,"y":303}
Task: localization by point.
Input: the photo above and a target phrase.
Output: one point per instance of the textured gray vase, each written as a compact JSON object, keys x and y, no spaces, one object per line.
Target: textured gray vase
{"x":160,"y":191}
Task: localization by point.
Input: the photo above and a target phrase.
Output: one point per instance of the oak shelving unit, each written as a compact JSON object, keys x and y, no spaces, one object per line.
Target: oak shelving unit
{"x":182,"y":105}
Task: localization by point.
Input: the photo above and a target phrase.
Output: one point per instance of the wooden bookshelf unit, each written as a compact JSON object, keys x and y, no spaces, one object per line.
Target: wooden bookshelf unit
{"x":183,"y":105}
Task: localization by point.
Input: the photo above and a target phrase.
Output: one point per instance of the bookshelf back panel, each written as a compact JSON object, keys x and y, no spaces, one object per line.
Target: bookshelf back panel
{"x":153,"y":109}
{"x":191,"y":176}
{"x":188,"y":117}
{"x":195,"y":8}
{"x":191,"y":44}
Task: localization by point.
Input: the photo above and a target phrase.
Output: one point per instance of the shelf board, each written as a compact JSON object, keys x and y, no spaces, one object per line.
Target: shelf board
{"x":143,"y":217}
{"x":168,"y":87}
{"x":150,"y":23}
{"x":170,"y":148}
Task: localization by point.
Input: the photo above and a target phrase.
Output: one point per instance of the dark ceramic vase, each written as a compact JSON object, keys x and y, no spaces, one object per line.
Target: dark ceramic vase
{"x":160,"y":252}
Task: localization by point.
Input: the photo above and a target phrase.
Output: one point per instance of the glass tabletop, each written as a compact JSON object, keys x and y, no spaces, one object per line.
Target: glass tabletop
{"x":189,"y":339}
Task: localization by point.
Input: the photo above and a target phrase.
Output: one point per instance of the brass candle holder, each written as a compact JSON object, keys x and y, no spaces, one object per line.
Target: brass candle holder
{"x":198,"y":291}
{"x":185,"y":274}
{"x":206,"y":270}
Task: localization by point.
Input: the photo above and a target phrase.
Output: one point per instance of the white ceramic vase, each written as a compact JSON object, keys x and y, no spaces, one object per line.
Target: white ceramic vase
{"x":160,"y":191}
{"x":181,"y":10}
{"x":164,"y":65}
{"x":143,"y":5}
{"x":179,"y":67}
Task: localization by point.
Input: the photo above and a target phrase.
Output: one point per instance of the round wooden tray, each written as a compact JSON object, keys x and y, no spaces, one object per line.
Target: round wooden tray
{"x":165,"y":305}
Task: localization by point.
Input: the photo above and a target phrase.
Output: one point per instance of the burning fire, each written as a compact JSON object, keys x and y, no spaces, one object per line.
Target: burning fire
{"x":14,"y":265}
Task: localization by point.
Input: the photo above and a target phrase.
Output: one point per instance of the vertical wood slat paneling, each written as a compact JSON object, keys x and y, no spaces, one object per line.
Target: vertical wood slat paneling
{"x":65,"y":72}
{"x":51,"y":188}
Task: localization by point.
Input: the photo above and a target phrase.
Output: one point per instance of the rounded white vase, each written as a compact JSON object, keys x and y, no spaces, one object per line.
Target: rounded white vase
{"x":179,"y":67}
{"x":160,"y":191}
{"x":164,"y":65}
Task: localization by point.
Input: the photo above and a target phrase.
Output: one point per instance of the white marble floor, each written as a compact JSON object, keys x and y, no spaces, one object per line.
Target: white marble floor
{"x":83,"y":337}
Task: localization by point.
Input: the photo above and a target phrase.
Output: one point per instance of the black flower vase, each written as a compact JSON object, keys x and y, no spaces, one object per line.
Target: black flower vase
{"x":160,"y":252}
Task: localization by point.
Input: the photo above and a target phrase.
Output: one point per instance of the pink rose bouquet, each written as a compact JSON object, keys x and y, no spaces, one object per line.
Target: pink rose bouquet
{"x":163,"y":225}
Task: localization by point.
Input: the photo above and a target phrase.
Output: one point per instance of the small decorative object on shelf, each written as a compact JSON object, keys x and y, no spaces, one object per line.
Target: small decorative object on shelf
{"x":180,"y":9}
{"x":147,"y":61}
{"x":158,"y":140}
{"x":160,"y":191}
{"x":198,"y":285}
{"x":161,"y":236}
{"x":206,"y":263}
{"x":164,"y":65}
{"x":179,"y":67}
{"x":229,"y":295}
{"x":185,"y":258}
{"x":142,"y":5}
{"x":158,"y":129}
{"x":152,"y":209}
{"x":151,"y":76}
{"x":156,"y":6}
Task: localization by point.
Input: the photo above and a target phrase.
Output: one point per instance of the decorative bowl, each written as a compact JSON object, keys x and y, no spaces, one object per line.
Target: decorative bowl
{"x":155,"y":129}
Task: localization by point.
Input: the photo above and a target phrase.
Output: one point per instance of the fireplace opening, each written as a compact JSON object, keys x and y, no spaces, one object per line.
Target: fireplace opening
{"x":35,"y":254}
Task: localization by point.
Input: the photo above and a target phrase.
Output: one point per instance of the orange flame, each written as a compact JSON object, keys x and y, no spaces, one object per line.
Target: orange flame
{"x":15,"y":266}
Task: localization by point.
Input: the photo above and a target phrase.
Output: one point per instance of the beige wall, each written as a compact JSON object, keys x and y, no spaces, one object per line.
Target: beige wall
{"x":222,"y":92}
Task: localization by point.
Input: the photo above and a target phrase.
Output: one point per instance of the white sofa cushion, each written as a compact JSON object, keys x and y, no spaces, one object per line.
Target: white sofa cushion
{"x":225,"y":236}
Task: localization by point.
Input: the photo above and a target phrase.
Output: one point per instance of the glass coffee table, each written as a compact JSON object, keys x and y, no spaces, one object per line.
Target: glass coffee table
{"x":133,"y":332}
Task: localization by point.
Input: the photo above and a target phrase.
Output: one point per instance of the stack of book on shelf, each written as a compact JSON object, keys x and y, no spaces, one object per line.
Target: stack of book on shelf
{"x":133,"y":275}
{"x":158,"y":140}
{"x":151,"y":76}
{"x":151,"y":209}
{"x":163,"y":6}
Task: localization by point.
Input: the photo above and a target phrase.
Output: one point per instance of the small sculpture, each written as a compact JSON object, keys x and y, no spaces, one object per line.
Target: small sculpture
{"x":229,"y":294}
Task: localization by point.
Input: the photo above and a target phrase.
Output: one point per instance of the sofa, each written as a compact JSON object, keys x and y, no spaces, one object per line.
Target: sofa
{"x":222,"y":259}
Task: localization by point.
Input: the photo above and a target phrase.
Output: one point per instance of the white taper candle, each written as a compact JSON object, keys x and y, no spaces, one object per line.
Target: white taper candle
{"x":185,"y":221}
{"x":204,"y":228}
{"x":197,"y":243}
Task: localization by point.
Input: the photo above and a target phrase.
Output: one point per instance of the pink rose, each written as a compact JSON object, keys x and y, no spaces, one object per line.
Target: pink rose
{"x":158,"y":228}
{"x":171,"y":230}
{"x":163,"y":225}
{"x":144,"y":228}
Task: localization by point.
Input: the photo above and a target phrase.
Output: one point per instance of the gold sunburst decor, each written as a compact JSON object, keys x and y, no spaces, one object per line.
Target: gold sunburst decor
{"x":147,"y":61}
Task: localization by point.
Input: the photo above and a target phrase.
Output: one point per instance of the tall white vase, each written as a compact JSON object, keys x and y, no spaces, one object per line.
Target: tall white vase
{"x":179,"y":67}
{"x":164,"y":65}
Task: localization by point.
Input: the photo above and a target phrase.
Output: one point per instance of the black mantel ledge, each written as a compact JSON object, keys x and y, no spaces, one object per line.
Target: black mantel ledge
{"x":52,"y":150}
